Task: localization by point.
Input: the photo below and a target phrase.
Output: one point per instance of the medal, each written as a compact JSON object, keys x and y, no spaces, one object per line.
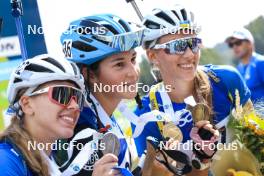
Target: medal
{"x":111,"y":144}
{"x":170,"y":130}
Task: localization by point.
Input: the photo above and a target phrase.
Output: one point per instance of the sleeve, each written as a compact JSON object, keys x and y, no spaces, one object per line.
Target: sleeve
{"x":151,"y":128}
{"x":233,"y":81}
{"x":141,"y":140}
{"x":10,"y":164}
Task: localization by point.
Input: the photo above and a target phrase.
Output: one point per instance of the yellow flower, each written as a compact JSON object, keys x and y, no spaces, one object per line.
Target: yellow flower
{"x":255,"y":120}
{"x":259,"y":132}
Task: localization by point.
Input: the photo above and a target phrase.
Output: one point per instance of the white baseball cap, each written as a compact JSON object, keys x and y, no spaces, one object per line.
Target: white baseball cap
{"x":242,"y":34}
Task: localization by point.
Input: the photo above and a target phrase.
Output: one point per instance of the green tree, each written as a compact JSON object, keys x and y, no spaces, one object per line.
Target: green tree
{"x":211,"y":56}
{"x":256,"y":27}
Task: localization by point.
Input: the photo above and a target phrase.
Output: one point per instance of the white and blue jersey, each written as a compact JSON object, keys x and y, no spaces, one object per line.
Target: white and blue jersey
{"x":253,"y":74}
{"x":224,"y":81}
{"x":12,"y":162}
{"x":87,"y":121}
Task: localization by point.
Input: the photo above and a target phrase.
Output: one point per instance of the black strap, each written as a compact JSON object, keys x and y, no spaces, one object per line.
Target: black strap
{"x":176,"y":155}
{"x":1,"y":25}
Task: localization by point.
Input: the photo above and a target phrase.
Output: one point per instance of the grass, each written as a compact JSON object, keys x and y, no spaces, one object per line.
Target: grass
{"x":3,"y":102}
{"x":3,"y":59}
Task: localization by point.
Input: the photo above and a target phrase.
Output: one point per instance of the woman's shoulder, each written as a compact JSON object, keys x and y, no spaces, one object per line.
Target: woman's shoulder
{"x":10,"y":162}
{"x":223,"y":73}
{"x":6,"y":150}
{"x":225,"y":76}
{"x":228,"y":79}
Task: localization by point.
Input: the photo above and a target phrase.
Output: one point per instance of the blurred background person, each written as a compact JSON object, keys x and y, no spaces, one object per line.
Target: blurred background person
{"x":251,"y":64}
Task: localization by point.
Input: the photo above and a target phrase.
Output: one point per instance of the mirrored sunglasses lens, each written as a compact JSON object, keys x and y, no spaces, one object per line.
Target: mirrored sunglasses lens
{"x":63,"y":95}
{"x":129,"y":41}
{"x":194,"y":44}
{"x":178,"y":47}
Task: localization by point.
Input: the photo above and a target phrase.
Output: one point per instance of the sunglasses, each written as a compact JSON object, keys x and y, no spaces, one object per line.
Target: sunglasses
{"x":235,"y":43}
{"x":62,"y":95}
{"x":126,"y":41}
{"x":179,"y":46}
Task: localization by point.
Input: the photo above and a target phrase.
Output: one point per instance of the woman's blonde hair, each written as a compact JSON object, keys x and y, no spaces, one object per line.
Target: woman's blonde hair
{"x":203,"y":91}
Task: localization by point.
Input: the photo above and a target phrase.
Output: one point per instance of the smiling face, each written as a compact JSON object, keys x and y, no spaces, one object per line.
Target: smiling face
{"x":177,"y":66}
{"x":44,"y":116}
{"x":119,"y":69}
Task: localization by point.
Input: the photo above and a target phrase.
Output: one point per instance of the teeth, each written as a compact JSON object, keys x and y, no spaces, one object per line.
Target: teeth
{"x":186,"y":65}
{"x":69,"y":119}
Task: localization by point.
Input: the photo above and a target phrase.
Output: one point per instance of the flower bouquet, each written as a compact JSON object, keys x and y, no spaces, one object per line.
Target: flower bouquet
{"x":247,"y":124}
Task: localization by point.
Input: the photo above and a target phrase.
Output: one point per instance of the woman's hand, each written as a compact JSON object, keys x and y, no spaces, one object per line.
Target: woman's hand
{"x":104,"y":166}
{"x":206,"y":142}
{"x":206,"y":125}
